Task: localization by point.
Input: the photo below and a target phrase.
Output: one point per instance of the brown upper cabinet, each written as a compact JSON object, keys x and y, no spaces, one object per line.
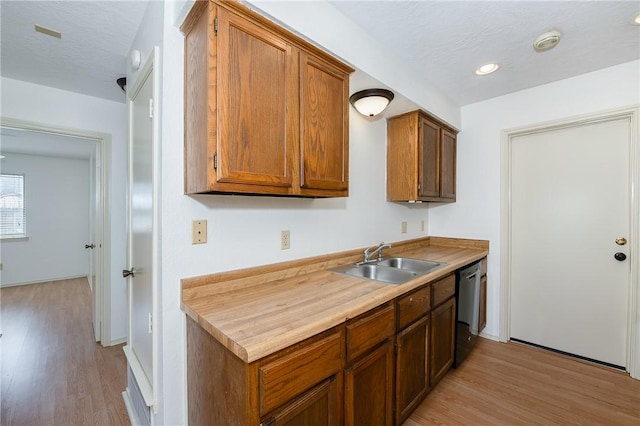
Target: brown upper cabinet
{"x":265,"y":111}
{"x":421,"y":159}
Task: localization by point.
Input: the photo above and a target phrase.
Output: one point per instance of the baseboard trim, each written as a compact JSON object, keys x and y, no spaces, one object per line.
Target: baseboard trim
{"x":490,"y":337}
{"x":133,"y":418}
{"x":52,"y":280}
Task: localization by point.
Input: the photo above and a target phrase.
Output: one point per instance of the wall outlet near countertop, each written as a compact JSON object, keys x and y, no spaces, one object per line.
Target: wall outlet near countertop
{"x":422,"y":225}
{"x":199,"y":232}
{"x":285,"y":240}
{"x":404,"y":227}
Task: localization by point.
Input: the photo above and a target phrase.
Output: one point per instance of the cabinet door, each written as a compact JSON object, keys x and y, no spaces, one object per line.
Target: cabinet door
{"x":429,"y":164}
{"x":412,"y":368}
{"x":443,"y":321}
{"x":319,"y":406}
{"x":368,"y":395}
{"x":448,"y":165}
{"x":255,"y":88}
{"x":324,"y":124}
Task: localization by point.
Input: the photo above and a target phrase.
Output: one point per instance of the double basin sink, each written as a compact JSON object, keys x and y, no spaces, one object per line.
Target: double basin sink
{"x":391,"y":270}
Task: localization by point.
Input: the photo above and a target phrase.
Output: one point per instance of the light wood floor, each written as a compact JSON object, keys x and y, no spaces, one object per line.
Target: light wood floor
{"x":53,"y":371}
{"x":514,"y":384}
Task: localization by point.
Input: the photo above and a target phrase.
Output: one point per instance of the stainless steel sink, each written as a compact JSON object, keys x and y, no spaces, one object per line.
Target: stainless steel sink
{"x":415,"y":265}
{"x":375,"y":272}
{"x":394,"y":270}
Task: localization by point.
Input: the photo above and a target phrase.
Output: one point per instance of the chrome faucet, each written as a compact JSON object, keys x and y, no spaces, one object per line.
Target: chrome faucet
{"x":368,"y":254}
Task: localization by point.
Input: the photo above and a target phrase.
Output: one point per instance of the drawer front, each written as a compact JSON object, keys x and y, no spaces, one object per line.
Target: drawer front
{"x":413,"y":306}
{"x":364,"y":333}
{"x":443,"y":289}
{"x":283,"y":379}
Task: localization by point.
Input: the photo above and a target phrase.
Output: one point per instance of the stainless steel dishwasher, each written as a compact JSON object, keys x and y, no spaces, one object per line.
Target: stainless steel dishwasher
{"x":467,"y":310}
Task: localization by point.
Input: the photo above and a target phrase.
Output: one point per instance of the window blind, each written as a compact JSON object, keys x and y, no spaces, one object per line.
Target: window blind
{"x":12,"y":211}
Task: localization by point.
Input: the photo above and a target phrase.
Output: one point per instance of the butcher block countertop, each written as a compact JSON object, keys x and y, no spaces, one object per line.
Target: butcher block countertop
{"x":257,"y":311}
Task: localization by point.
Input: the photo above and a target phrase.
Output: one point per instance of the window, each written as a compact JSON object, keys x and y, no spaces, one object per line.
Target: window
{"x":12,"y":213}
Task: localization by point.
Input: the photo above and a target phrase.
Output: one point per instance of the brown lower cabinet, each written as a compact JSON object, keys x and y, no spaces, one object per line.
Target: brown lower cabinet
{"x":443,"y":323}
{"x":348,"y":375}
{"x":368,"y":392}
{"x":320,"y":405}
{"x":412,"y":368}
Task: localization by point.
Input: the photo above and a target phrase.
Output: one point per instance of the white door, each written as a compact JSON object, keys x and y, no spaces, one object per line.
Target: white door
{"x":140,"y":345}
{"x":570,"y":200}
{"x":95,"y":241}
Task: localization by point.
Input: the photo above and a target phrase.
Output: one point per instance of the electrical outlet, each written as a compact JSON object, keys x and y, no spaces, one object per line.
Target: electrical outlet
{"x":199,"y":232}
{"x":404,"y":227}
{"x":285,"y":240}
{"x":0,"y":266}
{"x":422,"y":225}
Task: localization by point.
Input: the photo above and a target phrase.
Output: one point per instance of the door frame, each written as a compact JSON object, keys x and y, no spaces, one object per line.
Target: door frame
{"x":102,"y":292}
{"x":631,"y":113}
{"x":148,"y":390}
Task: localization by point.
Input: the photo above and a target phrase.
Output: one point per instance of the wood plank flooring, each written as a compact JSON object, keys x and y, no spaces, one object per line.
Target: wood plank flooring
{"x":514,"y":384}
{"x":53,"y":371}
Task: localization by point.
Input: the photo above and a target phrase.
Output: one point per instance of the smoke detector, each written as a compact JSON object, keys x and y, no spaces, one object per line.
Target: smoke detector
{"x":547,"y":41}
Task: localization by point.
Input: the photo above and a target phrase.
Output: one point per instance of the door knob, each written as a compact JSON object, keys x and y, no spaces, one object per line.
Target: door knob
{"x":89,"y":246}
{"x":620,"y":256}
{"x":621,"y":241}
{"x":127,"y":272}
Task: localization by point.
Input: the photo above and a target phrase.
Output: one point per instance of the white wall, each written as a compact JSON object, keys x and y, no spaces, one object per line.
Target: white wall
{"x":476,"y":214}
{"x":57,"y":203}
{"x":62,"y":109}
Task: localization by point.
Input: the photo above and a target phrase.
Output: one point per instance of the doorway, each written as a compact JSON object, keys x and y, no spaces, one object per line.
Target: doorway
{"x":566,"y":187}
{"x":97,"y":147}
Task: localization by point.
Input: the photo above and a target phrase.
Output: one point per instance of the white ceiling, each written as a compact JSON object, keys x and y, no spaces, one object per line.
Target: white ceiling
{"x":445,"y":41}
{"x":30,"y":142}
{"x":90,"y":56}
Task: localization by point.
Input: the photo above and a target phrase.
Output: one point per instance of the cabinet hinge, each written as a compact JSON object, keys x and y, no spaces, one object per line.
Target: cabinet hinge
{"x":215,"y":161}
{"x":215,"y":26}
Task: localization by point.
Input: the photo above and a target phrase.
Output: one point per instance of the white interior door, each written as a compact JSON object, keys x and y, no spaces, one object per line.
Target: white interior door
{"x":140,"y":347}
{"x":570,"y":201}
{"x":95,"y":241}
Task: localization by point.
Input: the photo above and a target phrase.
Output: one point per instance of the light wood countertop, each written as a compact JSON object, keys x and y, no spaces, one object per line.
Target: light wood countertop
{"x":255,"y":312}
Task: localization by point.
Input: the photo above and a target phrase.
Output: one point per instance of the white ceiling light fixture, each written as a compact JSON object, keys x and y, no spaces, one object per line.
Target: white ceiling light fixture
{"x":547,"y":41}
{"x":2,"y":156}
{"x":636,"y":21}
{"x":487,"y":69}
{"x":371,"y":102}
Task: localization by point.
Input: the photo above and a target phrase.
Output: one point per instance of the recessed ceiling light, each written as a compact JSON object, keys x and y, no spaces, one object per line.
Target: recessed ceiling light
{"x":48,"y":31}
{"x":546,"y":41}
{"x":2,"y":156}
{"x":637,"y":20}
{"x":487,"y":69}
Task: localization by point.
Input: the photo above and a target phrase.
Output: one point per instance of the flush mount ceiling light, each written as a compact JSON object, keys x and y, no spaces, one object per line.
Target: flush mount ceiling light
{"x":546,"y":41}
{"x":371,"y":102}
{"x":487,"y":69}
{"x":637,"y":19}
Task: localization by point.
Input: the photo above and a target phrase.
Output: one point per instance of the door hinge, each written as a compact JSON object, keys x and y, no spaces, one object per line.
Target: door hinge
{"x":215,"y":26}
{"x":215,"y":161}
{"x":150,"y":323}
{"x":150,"y":107}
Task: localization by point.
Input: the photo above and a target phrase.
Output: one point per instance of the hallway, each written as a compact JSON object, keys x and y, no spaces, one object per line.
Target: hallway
{"x":53,"y":372}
